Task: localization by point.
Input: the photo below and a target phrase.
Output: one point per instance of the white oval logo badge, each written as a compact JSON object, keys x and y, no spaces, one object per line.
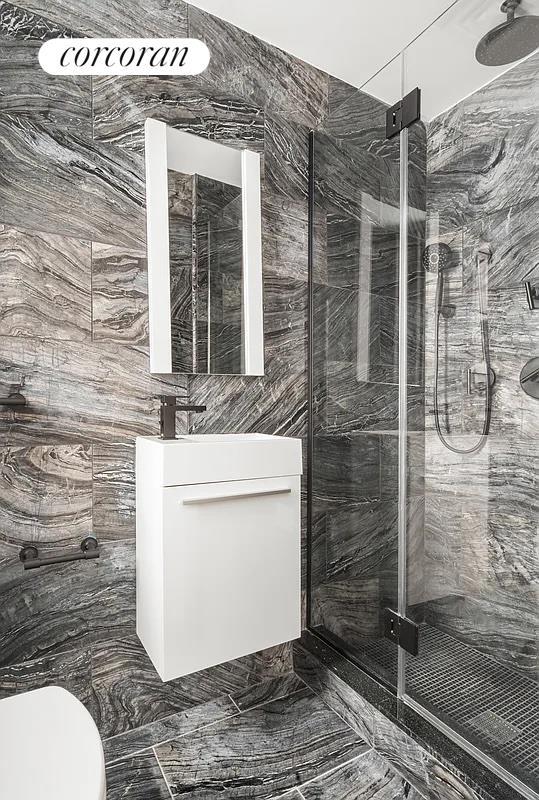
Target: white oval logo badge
{"x":124,"y":56}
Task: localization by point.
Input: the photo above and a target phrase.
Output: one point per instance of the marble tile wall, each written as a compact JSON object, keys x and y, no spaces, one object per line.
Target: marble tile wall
{"x":481,"y":554}
{"x":74,"y":332}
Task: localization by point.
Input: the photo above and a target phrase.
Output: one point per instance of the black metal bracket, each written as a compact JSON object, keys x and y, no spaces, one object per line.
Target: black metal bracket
{"x":14,"y":399}
{"x":29,"y":555}
{"x":403,"y":113}
{"x":402,"y":631}
{"x":532,"y":296}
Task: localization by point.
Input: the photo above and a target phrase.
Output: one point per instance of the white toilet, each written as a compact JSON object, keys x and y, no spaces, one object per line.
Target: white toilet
{"x":50,"y":748}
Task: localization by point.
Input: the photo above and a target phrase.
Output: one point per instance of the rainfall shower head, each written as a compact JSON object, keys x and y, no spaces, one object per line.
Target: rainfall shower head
{"x":514,"y":39}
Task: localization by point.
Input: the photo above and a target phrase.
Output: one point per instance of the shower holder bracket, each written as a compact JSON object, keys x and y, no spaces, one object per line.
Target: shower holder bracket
{"x":402,"y":631}
{"x":476,"y":379}
{"x":403,"y":113}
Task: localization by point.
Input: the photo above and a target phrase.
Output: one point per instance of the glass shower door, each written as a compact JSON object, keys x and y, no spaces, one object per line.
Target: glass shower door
{"x":472,"y":497}
{"x":354,"y":415}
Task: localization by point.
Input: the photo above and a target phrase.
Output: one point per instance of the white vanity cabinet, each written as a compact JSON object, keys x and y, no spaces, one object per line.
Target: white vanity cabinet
{"x":218,"y":561}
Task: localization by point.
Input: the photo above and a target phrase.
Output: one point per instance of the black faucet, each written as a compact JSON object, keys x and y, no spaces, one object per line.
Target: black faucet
{"x":167,"y":415}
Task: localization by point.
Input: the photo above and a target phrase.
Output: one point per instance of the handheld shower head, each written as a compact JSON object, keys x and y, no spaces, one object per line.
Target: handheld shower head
{"x":437,"y":257}
{"x":514,"y":39}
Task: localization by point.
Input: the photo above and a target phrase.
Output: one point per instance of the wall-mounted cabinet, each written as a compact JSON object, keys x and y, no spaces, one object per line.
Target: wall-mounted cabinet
{"x":218,"y":562}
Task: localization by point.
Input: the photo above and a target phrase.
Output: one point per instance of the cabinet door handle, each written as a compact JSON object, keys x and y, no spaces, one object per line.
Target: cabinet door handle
{"x":217,"y":498}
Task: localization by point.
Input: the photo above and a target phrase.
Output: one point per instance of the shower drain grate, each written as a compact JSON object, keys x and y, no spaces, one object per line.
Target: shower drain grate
{"x":494,"y":727}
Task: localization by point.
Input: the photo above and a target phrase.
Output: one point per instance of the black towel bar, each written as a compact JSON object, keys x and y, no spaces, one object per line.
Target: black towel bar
{"x":29,"y":555}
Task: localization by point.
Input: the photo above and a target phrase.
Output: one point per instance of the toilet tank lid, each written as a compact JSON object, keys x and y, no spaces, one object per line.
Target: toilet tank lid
{"x":49,"y":747}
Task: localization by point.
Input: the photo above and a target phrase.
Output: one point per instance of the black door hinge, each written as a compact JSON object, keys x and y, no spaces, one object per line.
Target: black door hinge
{"x":403,"y":113}
{"x":402,"y":631}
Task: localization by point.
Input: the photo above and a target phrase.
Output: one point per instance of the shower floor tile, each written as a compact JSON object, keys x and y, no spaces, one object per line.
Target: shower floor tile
{"x":492,"y":706}
{"x":290,"y":747}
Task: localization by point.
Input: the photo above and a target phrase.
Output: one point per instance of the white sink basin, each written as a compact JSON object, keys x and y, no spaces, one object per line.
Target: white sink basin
{"x":218,"y":457}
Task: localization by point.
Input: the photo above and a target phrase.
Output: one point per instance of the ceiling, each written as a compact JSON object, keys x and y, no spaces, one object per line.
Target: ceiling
{"x":354,"y":40}
{"x":350,"y":39}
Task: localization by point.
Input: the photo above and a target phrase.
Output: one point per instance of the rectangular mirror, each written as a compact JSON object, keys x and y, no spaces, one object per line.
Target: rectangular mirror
{"x":204,"y":255}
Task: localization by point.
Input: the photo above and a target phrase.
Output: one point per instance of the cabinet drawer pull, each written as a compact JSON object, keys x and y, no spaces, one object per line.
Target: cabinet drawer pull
{"x":217,"y":498}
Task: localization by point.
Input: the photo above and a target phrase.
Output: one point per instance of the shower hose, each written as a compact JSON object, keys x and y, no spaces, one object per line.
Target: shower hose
{"x":486,"y":358}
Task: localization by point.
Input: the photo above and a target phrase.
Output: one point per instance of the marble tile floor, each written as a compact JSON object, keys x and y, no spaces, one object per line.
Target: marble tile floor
{"x":272,"y":740}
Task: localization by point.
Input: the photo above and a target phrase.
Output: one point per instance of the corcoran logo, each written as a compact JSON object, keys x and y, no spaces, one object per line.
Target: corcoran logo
{"x":124,"y":56}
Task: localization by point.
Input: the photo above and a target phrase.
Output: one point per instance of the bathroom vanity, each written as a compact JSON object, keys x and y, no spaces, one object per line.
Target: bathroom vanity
{"x":218,"y":547}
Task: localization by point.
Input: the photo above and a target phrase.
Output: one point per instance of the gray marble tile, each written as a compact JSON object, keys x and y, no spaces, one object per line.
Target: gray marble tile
{"x":269,"y":690}
{"x":486,"y":173}
{"x":362,"y":540}
{"x":511,"y":236}
{"x":71,"y":670}
{"x":119,"y":403}
{"x":136,"y":778}
{"x":259,"y":72}
{"x":351,"y":403}
{"x":338,"y":92}
{"x":262,"y":752}
{"x":360,"y":118}
{"x":335,"y":693}
{"x":512,"y":551}
{"x":369,"y":777}
{"x":119,"y":295}
{"x":21,"y":24}
{"x":504,"y":628}
{"x":166,"y":728}
{"x":402,"y":752}
{"x":61,"y":182}
{"x":502,"y":104}
{"x":445,"y":785}
{"x":129,"y":693}
{"x":27,"y":90}
{"x":152,"y":18}
{"x":350,"y":609}
{"x":46,"y":495}
{"x":243,"y":404}
{"x":66,"y":606}
{"x":284,"y":236}
{"x":424,"y":772}
{"x":285,"y":325}
{"x":344,"y":262}
{"x":415,"y":553}
{"x":47,"y":280}
{"x":346,"y":176}
{"x":37,"y":619}
{"x":113,"y":485}
{"x":122,"y":104}
{"x":347,"y":467}
{"x":286,"y":161}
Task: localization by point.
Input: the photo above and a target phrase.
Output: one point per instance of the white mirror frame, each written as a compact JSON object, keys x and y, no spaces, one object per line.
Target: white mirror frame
{"x":167,"y":148}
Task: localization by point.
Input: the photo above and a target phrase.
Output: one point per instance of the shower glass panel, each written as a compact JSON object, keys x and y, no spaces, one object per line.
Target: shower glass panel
{"x":472,"y":494}
{"x":354,"y":419}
